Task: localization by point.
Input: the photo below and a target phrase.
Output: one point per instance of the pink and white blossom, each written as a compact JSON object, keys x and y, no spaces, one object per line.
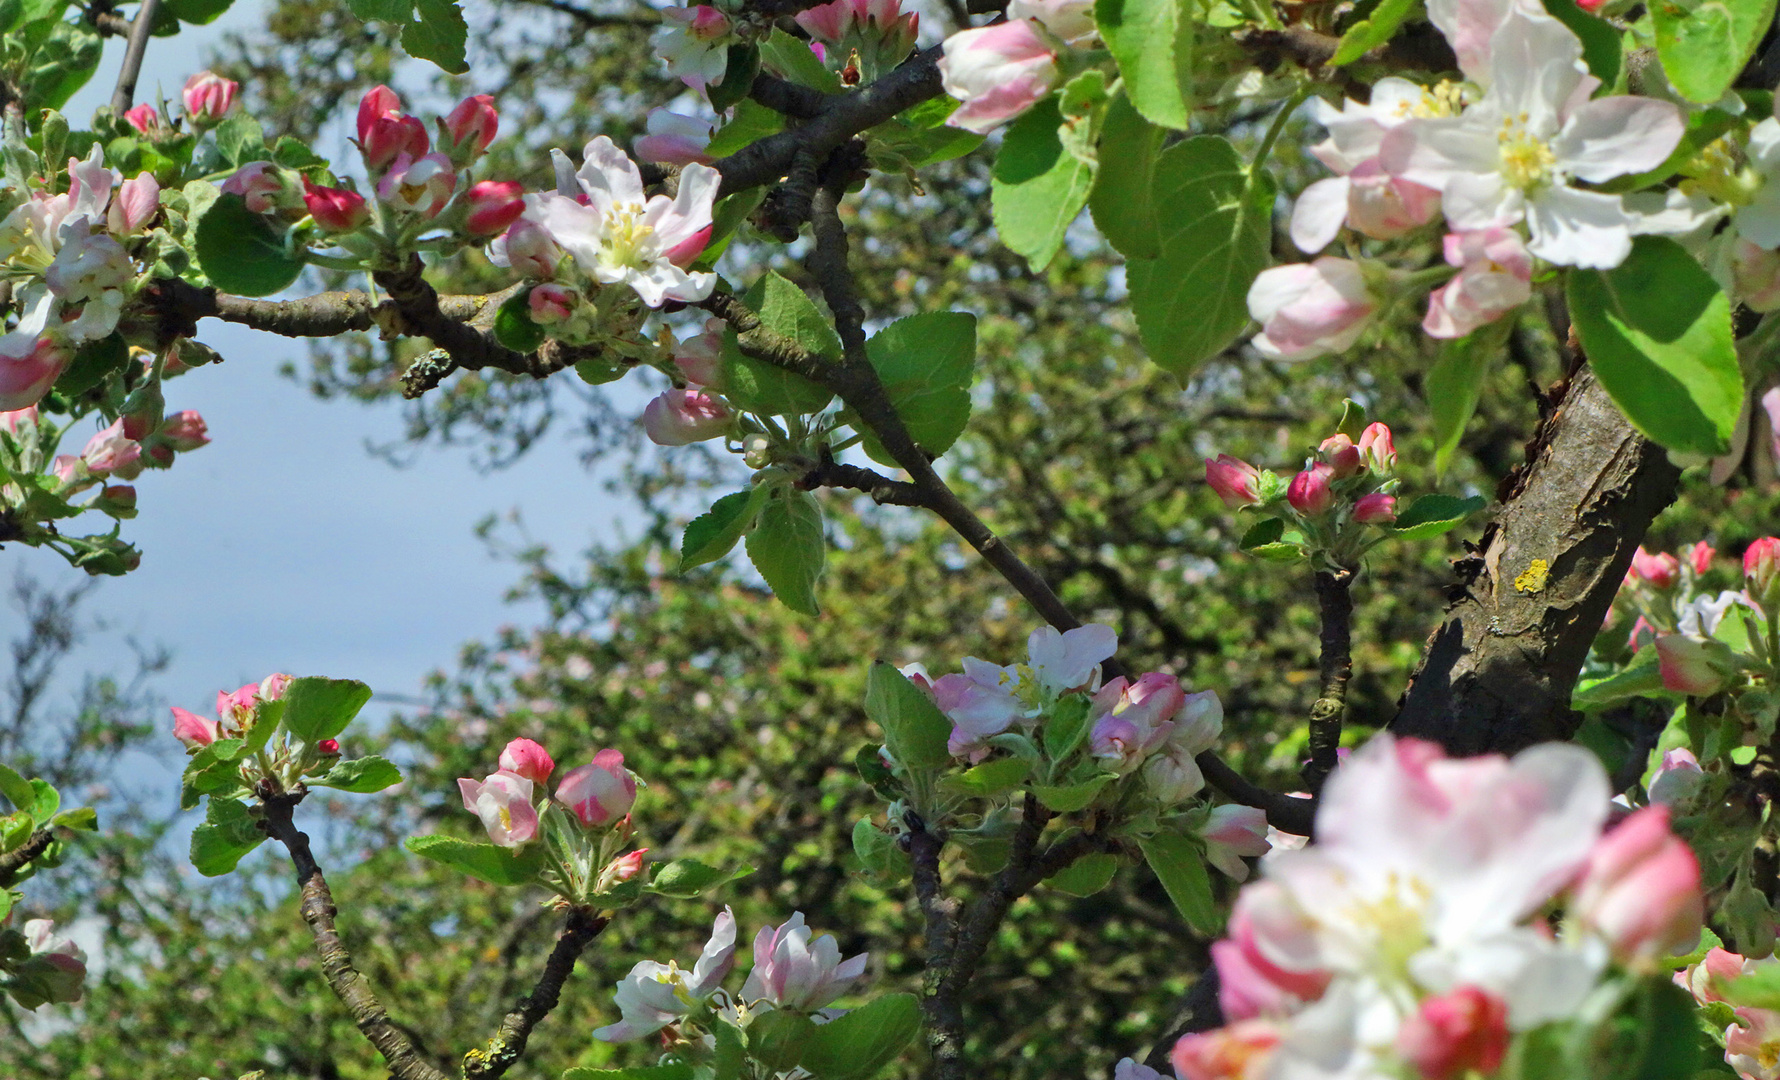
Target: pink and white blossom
{"x":111,"y":453}
{"x":979,"y":709}
{"x":677,"y":417}
{"x":1312,"y":309}
{"x":1237,"y":482}
{"x":263,"y":186}
{"x":792,"y":970}
{"x":673,"y":139}
{"x":694,"y":42}
{"x":1752,"y":1044}
{"x":599,"y":792}
{"x":418,"y":185}
{"x":655,"y":995}
{"x":1233,"y":833}
{"x":998,"y":72}
{"x":523,"y":757}
{"x":138,"y":198}
{"x":208,"y":97}
{"x":1495,"y":277}
{"x":1239,"y":1052}
{"x":1457,"y":1034}
{"x":551,"y":303}
{"x":335,"y":209}
{"x":1129,"y":721}
{"x":527,"y":249}
{"x":1070,"y":20}
{"x":1641,"y":889}
{"x":700,"y":357}
{"x":504,"y":803}
{"x":60,"y":965}
{"x":195,"y":731}
{"x":1677,"y":777}
{"x":27,"y":374}
{"x":1362,"y":194}
{"x":1172,"y":775}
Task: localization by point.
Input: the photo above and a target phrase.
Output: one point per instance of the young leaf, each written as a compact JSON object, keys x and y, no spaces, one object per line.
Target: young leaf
{"x":1120,"y":201}
{"x":1152,"y":40}
{"x":1371,"y":32}
{"x":92,"y":363}
{"x":1456,"y":382}
{"x":1213,"y":219}
{"x":360,"y":775}
{"x":926,"y":363}
{"x":1086,"y":876}
{"x":686,"y":878}
{"x":793,"y":58}
{"x":484,"y":862}
{"x":914,"y":728}
{"x":1038,"y":186}
{"x":1261,"y":533}
{"x":1180,"y":865}
{"x":513,"y":325}
{"x":1644,"y":680}
{"x":46,"y":800}
{"x":240,"y":139}
{"x":776,"y":1040}
{"x":229,"y":832}
{"x":788,"y":548}
{"x":1657,"y":332}
{"x":713,"y":533}
{"x":439,"y":34}
{"x":741,"y":64}
{"x":1067,"y":798}
{"x":317,"y":708}
{"x":1432,"y":515}
{"x":16,"y":788}
{"x":752,"y":121}
{"x":859,"y":1045}
{"x":756,"y":386}
{"x":1600,"y":39}
{"x":991,"y":777}
{"x":1703,"y":46}
{"x":240,"y":253}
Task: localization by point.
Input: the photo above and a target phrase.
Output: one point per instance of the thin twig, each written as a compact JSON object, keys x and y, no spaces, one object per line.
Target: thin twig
{"x":405,"y":1062}
{"x":1335,"y":664}
{"x":883,"y":490}
{"x":504,"y":1050}
{"x":133,"y":53}
{"x":15,"y":861}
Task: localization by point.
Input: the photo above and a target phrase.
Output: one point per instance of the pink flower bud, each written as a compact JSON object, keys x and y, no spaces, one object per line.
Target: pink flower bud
{"x":17,"y":420}
{"x":136,"y":202}
{"x":1676,"y":778}
{"x":678,"y":417}
{"x":1700,"y":557}
{"x":145,"y":118}
{"x":1340,"y":454}
{"x":1071,"y":20}
{"x":472,"y":126}
{"x":1236,"y":481}
{"x":998,"y":72}
{"x":273,"y":686}
{"x":335,"y":209}
{"x":1309,"y":492}
{"x":1691,"y":666}
{"x":1494,"y":278}
{"x":673,"y":139}
{"x":494,"y":205}
{"x":526,"y":758}
{"x":66,"y":468}
{"x":56,"y":964}
{"x":1376,"y":509}
{"x":1761,"y":569}
{"x":1641,"y":888}
{"x":1308,"y":310}
{"x":1377,"y":451}
{"x":687,"y":251}
{"x":624,"y":867}
{"x":184,"y":430}
{"x":263,"y":186}
{"x":1456,"y":1034}
{"x":700,"y":357}
{"x":527,"y":249}
{"x":379,"y":102}
{"x":504,"y":803}
{"x":110,"y":453}
{"x":1237,"y":1052}
{"x":551,"y":303}
{"x":117,"y":499}
{"x":193,"y":730}
{"x":418,"y":185}
{"x":328,"y":748}
{"x":26,"y":377}
{"x":392,"y":137}
{"x":237,"y":711}
{"x":600,"y":792}
{"x":208,"y":98}
{"x":1233,"y":833}
{"x":1659,"y":571}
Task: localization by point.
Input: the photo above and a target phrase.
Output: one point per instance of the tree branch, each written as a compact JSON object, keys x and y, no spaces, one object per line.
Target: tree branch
{"x":1335,"y":664}
{"x":405,"y":1062}
{"x":134,"y":50}
{"x":16,"y":860}
{"x":945,"y":1014}
{"x":508,"y":1045}
{"x":883,"y":490}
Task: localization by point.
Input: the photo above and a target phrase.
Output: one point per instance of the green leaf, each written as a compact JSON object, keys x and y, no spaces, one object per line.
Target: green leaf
{"x":1704,"y":45}
{"x":484,"y":862}
{"x":439,"y":34}
{"x":239,"y":251}
{"x":788,"y":548}
{"x":513,"y":325}
{"x":915,"y":731}
{"x":1371,"y":32}
{"x":317,"y":708}
{"x":712,"y":534}
{"x":1455,"y":383}
{"x":1261,"y":533}
{"x":793,"y":58}
{"x":1066,"y":727}
{"x":1645,"y":680}
{"x":80,"y":819}
{"x":742,"y":63}
{"x":860,"y":1044}
{"x":992,"y":777}
{"x":241,"y":140}
{"x":1180,"y":865}
{"x":1152,"y":40}
{"x":360,"y":775}
{"x":1067,"y":798}
{"x":1086,"y":876}
{"x":293,"y":153}
{"x":752,"y":121}
{"x":1657,"y":331}
{"x":596,"y":371}
{"x":776,"y":1039}
{"x":926,"y":363}
{"x":1214,"y":221}
{"x":686,"y":878}
{"x":678,"y":1070}
{"x":1120,"y":200}
{"x":1038,"y":186}
{"x":92,"y":363}
{"x":45,"y":801}
{"x":16,"y":788}
{"x":1432,"y":515}
{"x":229,"y":832}
{"x":1600,"y":39}
{"x":757,"y":386}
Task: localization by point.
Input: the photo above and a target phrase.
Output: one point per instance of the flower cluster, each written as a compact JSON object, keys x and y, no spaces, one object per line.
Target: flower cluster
{"x":860,"y":39}
{"x":1000,"y":71}
{"x":793,"y":970}
{"x":1751,"y":1036}
{"x":1705,"y":641}
{"x":1412,"y":938}
{"x":584,"y":829}
{"x":41,"y":967}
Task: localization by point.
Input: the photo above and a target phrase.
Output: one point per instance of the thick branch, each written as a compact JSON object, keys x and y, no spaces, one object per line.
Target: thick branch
{"x":14,"y":861}
{"x":945,"y":1014}
{"x":508,"y":1045}
{"x":134,"y":50}
{"x":1335,"y":662}
{"x":1498,"y":673}
{"x":405,"y":1062}
{"x":329,"y":314}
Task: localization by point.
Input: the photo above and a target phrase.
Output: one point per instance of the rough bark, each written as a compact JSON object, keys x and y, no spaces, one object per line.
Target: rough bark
{"x":1498,"y":673}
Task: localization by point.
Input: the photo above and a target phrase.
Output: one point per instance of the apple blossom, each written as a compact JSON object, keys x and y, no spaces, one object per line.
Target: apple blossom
{"x":27,"y":374}
{"x":1238,"y":1052}
{"x":1457,"y":1034}
{"x":1761,"y":570}
{"x":1707,"y":980}
{"x":263,"y":186}
{"x":551,"y":303}
{"x":1233,"y":833}
{"x":1658,"y":570}
{"x":1308,"y":310}
{"x":471,"y":126}
{"x":1342,"y":457}
{"x":527,"y":249}
{"x":794,"y":971}
{"x":677,"y":417}
{"x":193,"y":730}
{"x":90,"y":272}
{"x":1676,"y":778}
{"x":493,"y":206}
{"x":1249,"y":984}
{"x":273,"y":686}
{"x":1375,"y":509}
{"x":1513,"y":154}
{"x":61,"y":964}
{"x":137,"y":201}
{"x":1070,"y":20}
{"x":694,"y":42}
{"x":145,"y":118}
{"x":1641,"y":889}
{"x":335,"y":209}
{"x":110,"y":453}
{"x":700,"y":357}
{"x":673,"y":139}
{"x":998,"y":72}
{"x":184,"y":430}
{"x":523,"y":757}
{"x":1071,"y":659}
{"x":418,"y":185}
{"x":599,"y":792}
{"x":208,"y":98}
{"x":1130,"y":721}
{"x":1236,"y":481}
{"x":1759,"y":220}
{"x":1755,"y":275}
{"x":1495,"y":277}
{"x":655,"y":995}
{"x":620,"y":237}
{"x":385,"y":133}
{"x":978,"y":709}
{"x":1362,"y":194}
{"x":1752,"y":1044}
{"x":1172,"y":775}
{"x":17,"y":420}
{"x":1309,"y":492}
{"x":504,"y":803}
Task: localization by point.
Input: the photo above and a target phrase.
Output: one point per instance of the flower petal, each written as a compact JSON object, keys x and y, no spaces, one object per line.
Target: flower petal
{"x":1618,"y":135}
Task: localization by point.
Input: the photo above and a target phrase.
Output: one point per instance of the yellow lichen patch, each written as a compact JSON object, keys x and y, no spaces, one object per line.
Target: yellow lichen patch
{"x":1532,"y":579}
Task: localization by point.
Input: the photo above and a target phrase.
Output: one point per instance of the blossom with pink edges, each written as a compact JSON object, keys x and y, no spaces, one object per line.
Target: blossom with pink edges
{"x":334,"y":209}
{"x":1457,"y":1034}
{"x":145,"y":118}
{"x":208,"y":97}
{"x":1677,"y":777}
{"x":1129,"y":721}
{"x":195,"y":731}
{"x":418,"y":185}
{"x":673,"y":139}
{"x":551,"y":303}
{"x":263,"y":186}
{"x":493,"y":206}
{"x":1172,"y":774}
{"x":1236,"y":481}
{"x":599,"y":792}
{"x":1341,"y":455}
{"x":655,"y":995}
{"x":61,"y":965}
{"x":677,"y":417}
{"x":27,"y":374}
{"x":1312,"y":309}
{"x":1233,"y":833}
{"x":527,"y":249}
{"x":1238,"y":1052}
{"x":700,"y":357}
{"x":1495,"y":277}
{"x":998,"y":72}
{"x":1761,"y":569}
{"x":792,"y":970}
{"x":137,"y":200}
{"x":523,"y":757}
{"x":504,"y":803}
{"x":694,"y":43}
{"x":1641,"y":889}
{"x":111,"y":453}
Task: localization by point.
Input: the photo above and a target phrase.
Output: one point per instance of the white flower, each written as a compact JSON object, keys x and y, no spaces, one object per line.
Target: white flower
{"x":794,"y":971}
{"x":694,"y":43}
{"x":1361,"y":193}
{"x":1311,"y":309}
{"x":1759,"y":222}
{"x":1700,"y":616}
{"x":90,"y":273}
{"x":1512,"y":155}
{"x":617,"y":236}
{"x":655,"y":995}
